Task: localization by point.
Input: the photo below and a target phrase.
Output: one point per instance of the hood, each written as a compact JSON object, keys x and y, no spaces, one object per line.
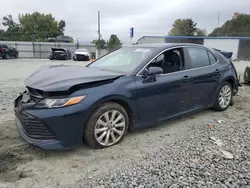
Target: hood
{"x":82,"y":53}
{"x":63,"y":77}
{"x":58,"y":49}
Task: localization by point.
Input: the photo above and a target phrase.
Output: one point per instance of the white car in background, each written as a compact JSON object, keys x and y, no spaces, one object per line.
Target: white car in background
{"x":81,"y":55}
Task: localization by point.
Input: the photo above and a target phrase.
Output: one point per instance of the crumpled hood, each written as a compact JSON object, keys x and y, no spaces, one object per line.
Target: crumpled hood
{"x":63,"y":77}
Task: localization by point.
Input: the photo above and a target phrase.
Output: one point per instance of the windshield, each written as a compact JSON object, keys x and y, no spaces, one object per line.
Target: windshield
{"x":123,"y":60}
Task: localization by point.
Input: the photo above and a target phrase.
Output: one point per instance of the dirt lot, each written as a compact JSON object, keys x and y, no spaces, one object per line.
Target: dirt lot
{"x":195,"y":151}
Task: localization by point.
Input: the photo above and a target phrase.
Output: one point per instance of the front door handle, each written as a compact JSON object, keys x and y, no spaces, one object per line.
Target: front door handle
{"x":186,"y":79}
{"x":217,"y":71}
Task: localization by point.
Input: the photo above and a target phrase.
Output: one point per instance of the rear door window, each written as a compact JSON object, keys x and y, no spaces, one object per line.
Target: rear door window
{"x":199,"y":57}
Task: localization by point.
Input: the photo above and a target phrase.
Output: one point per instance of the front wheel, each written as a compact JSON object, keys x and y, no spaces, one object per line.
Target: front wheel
{"x":107,"y":126}
{"x":223,"y":97}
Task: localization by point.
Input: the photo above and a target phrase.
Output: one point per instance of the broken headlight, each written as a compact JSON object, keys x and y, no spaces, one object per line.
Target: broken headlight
{"x":60,"y":102}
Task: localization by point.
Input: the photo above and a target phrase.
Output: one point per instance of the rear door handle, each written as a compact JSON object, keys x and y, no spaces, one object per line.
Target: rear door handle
{"x":217,"y":71}
{"x":186,"y":79}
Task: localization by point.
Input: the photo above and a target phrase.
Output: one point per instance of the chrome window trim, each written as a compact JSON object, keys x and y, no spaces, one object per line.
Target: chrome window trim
{"x":138,"y":73}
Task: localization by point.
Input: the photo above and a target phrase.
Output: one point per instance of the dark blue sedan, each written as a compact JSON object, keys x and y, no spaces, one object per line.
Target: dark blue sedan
{"x":132,"y":87}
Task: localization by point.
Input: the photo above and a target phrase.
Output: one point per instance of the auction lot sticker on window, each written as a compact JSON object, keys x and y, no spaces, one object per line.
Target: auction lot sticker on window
{"x":144,"y":50}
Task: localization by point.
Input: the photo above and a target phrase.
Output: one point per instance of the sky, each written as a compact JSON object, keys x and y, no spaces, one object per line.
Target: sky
{"x":148,"y":17}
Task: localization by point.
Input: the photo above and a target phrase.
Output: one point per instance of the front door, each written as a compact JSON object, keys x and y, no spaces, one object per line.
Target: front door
{"x":168,"y":94}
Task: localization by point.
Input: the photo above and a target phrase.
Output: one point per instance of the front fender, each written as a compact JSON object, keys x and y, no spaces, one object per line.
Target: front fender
{"x":131,"y":104}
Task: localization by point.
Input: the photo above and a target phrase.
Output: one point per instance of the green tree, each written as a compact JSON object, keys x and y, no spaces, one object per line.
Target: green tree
{"x":13,"y":29}
{"x":102,"y":44}
{"x":38,"y":26}
{"x":200,"y":32}
{"x":62,"y":25}
{"x":2,"y":34}
{"x":113,"y":43}
{"x":183,"y":27}
{"x":237,"y":26}
{"x":33,"y":27}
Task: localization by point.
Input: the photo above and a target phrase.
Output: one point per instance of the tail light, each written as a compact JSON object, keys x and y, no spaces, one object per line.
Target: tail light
{"x":1,"y":50}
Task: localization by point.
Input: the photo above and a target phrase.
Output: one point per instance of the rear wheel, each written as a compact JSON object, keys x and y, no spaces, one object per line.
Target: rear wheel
{"x":107,"y":126}
{"x":6,"y":56}
{"x":223,"y":97}
{"x":247,"y":75}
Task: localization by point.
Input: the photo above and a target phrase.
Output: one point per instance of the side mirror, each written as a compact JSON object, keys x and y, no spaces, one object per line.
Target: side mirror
{"x":153,"y":71}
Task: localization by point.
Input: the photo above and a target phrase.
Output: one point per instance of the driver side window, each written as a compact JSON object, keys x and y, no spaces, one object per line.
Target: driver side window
{"x":170,"y":61}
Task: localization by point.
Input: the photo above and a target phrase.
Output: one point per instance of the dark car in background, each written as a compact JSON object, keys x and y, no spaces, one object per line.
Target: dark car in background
{"x":66,"y":39}
{"x":60,"y":54}
{"x":133,"y":87}
{"x":7,"y":52}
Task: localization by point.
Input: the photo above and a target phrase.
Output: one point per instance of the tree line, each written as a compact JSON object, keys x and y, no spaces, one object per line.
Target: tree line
{"x":31,"y":27}
{"x":238,"y":25}
{"x":39,"y":27}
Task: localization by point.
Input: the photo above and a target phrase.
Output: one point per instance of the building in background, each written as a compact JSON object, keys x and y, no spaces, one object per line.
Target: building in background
{"x":240,"y":46}
{"x":151,"y":39}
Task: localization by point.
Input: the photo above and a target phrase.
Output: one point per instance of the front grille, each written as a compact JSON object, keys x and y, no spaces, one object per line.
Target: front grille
{"x":80,"y":56}
{"x":33,"y":127}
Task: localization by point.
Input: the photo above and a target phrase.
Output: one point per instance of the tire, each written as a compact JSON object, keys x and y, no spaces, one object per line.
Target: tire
{"x":246,"y":75}
{"x":225,"y":89}
{"x":6,"y":56}
{"x":16,"y":55}
{"x":92,"y":129}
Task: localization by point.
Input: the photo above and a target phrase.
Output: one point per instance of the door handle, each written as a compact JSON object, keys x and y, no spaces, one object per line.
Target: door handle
{"x":217,"y":71}
{"x":187,"y":78}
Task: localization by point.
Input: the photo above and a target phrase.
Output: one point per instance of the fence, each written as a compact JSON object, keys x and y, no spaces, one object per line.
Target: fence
{"x":42,"y":50}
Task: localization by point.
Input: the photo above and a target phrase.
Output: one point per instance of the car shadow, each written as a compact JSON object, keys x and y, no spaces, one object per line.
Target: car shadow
{"x":171,"y":122}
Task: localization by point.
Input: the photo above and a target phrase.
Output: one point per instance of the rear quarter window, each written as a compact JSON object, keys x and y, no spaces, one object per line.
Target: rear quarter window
{"x":213,"y":59}
{"x":199,"y":57}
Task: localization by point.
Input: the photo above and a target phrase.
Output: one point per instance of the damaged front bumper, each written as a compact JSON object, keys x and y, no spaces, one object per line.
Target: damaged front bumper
{"x":50,"y":128}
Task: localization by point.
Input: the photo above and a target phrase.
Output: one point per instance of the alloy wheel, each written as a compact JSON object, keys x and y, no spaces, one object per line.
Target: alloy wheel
{"x":110,"y":128}
{"x":225,"y":96}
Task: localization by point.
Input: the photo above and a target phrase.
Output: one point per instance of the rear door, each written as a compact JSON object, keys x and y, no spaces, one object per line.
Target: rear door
{"x":205,"y":75}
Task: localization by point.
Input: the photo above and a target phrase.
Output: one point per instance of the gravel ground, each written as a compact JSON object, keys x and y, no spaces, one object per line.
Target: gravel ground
{"x":194,"y":151}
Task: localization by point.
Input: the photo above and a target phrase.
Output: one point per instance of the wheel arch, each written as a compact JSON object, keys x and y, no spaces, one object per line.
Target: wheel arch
{"x":125,"y":102}
{"x":229,"y":79}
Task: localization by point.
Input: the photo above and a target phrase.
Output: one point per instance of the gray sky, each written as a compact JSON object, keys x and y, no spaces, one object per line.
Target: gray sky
{"x":148,"y":17}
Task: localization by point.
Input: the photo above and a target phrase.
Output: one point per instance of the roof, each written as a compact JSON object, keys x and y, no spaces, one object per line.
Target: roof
{"x":161,"y":45}
{"x":196,"y":37}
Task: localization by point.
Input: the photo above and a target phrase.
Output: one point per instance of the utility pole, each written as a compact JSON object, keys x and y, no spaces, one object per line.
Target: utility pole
{"x":218,"y":31}
{"x":99,"y":36}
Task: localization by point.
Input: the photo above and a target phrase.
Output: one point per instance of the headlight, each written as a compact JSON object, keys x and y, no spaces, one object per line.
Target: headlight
{"x":56,"y":103}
